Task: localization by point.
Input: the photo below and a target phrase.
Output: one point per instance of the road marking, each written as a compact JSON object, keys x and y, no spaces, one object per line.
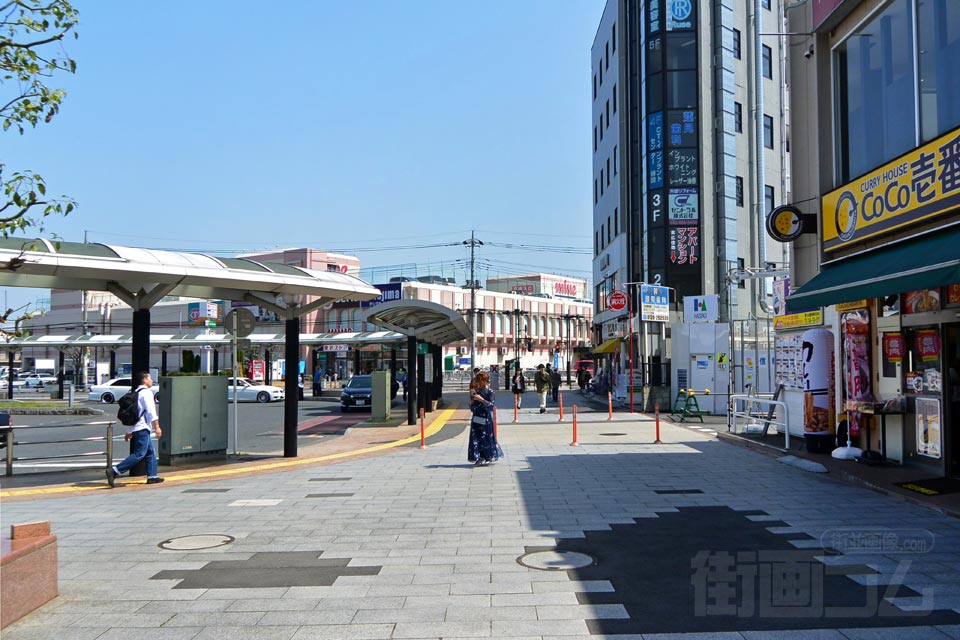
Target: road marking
{"x":432,"y":429}
{"x":254,"y":503}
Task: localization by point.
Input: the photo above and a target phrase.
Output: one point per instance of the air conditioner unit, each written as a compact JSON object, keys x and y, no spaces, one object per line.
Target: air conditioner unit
{"x":503,"y":351}
{"x":461,"y":351}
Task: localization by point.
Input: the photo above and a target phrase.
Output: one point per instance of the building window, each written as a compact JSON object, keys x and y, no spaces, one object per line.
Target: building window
{"x":608,"y":172}
{"x":615,"y":163}
{"x":603,"y":234}
{"x":767,"y":131}
{"x":616,"y":221}
{"x":606,"y":56}
{"x":594,"y":191}
{"x":601,"y":127}
{"x":601,"y":182}
{"x":609,"y":230}
{"x":600,"y":70}
{"x":594,"y":138}
{"x":739,"y":191}
{"x":742,"y":265}
{"x":613,"y":36}
{"x":736,"y":44}
{"x":767,"y":61}
{"x":614,"y":98}
{"x":766,"y":4}
{"x":877,"y":92}
{"x":737,"y":120}
{"x":608,"y":114}
{"x":596,"y":243}
{"x":767,"y":198}
{"x":594,"y":86}
{"x":939,"y":41}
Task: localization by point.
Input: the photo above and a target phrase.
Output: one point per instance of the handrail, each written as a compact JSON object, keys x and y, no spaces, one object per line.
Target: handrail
{"x":750,"y":401}
{"x":7,"y":433}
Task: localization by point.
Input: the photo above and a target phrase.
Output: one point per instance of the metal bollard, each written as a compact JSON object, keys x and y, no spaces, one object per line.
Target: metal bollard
{"x":496,"y":437}
{"x":109,"y":445}
{"x":657,"y":441}
{"x":516,"y":409}
{"x":574,"y":443}
{"x":561,"y":406}
{"x":609,"y":405}
{"x":423,"y":440}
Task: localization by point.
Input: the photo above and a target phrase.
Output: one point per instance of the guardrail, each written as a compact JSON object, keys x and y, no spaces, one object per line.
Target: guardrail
{"x":760,"y":413}
{"x":7,"y":440}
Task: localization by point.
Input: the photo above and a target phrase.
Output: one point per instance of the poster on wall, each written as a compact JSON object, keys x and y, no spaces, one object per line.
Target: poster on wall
{"x":816,"y":354}
{"x":921,"y":301}
{"x":928,"y":427}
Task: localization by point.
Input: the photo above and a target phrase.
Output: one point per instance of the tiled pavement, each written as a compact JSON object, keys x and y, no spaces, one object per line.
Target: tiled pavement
{"x":419,"y":544}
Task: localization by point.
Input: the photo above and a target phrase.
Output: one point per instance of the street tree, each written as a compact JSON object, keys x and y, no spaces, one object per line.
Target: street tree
{"x":32,"y":53}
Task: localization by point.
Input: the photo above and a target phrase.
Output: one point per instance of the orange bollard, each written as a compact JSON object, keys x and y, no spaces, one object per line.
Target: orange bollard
{"x":574,"y":443}
{"x":516,"y":409}
{"x":423,"y":440}
{"x":495,"y":434}
{"x":561,"y":406}
{"x":610,"y":405}
{"x":657,"y":407}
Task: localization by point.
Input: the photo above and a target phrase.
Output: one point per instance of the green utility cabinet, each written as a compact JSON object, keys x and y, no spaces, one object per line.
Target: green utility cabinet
{"x":380,"y":395}
{"x":193,"y":416}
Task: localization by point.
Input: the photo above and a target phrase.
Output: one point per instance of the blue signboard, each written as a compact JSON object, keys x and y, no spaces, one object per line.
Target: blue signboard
{"x":655,"y":303}
{"x":655,"y":131}
{"x":388,"y":293}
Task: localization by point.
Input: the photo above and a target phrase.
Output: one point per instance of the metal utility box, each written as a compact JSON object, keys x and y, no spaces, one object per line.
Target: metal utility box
{"x":193,"y":416}
{"x":380,"y":395}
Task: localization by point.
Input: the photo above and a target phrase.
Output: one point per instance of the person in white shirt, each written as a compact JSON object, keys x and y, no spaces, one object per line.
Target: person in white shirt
{"x":140,"y":433}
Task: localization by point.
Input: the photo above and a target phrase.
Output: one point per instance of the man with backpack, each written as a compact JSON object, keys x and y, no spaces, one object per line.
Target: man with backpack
{"x":541,"y":381}
{"x":138,"y":412}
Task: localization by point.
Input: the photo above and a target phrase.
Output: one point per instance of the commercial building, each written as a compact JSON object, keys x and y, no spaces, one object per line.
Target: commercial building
{"x":690,"y":143}
{"x":875,"y":234}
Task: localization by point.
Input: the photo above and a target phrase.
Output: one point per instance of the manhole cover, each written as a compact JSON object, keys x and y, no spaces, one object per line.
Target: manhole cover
{"x":194,"y":543}
{"x":556,"y":560}
{"x":613,"y":434}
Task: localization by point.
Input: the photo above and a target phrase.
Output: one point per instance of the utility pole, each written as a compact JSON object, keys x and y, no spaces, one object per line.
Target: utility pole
{"x":85,"y":360}
{"x":473,"y":242}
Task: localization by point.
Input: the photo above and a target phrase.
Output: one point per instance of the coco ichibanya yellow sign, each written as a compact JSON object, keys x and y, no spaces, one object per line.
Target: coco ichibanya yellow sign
{"x":916,"y":186}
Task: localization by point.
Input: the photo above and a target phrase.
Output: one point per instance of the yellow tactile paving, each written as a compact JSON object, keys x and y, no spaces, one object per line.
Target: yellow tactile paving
{"x":434,"y":427}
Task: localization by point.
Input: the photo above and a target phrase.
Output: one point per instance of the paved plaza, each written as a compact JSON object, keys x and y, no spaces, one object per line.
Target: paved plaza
{"x":616,"y":538}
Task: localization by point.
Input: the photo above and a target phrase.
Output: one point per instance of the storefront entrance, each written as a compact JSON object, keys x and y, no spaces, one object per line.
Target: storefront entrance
{"x":951,"y":396}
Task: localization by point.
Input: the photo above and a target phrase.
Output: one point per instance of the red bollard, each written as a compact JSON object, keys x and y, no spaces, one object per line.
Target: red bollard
{"x":610,"y":405}
{"x":657,"y":407}
{"x":561,"y":406}
{"x":495,"y":433}
{"x":423,"y":440}
{"x":516,"y":409}
{"x":574,"y":443}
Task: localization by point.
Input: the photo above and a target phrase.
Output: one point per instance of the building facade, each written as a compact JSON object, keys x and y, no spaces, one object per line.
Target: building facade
{"x":877,"y":168}
{"x":690,"y":140}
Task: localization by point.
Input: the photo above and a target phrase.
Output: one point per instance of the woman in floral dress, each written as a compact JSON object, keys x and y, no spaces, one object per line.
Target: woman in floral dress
{"x":483,"y":447}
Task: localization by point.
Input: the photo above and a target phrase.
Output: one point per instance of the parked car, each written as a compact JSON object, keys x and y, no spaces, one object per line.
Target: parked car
{"x":250,"y":391}
{"x":109,"y":391}
{"x":356,"y":393}
{"x":34,"y":380}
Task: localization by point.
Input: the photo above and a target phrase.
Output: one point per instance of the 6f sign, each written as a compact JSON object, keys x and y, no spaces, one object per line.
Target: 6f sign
{"x":617,"y":301}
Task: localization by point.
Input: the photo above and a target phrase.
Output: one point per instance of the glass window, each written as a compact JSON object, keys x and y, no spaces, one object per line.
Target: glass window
{"x":603,"y":234}
{"x":600,"y":71}
{"x":682,"y":51}
{"x":682,"y":89}
{"x":608,"y":172}
{"x":739,"y":191}
{"x":601,"y":182}
{"x":736,"y":45}
{"x":606,"y":56}
{"x":768,"y":194}
{"x":876,"y":89}
{"x":594,"y":191}
{"x":608,"y":113}
{"x":609,"y":230}
{"x":594,"y":138}
{"x":614,"y":98}
{"x":615,"y":170}
{"x":737,"y":118}
{"x":766,"y":4}
{"x":616,"y":221}
{"x":939,"y":36}
{"x":613,"y":36}
{"x":767,"y":131}
{"x":654,"y":93}
{"x":767,"y":61}
{"x":601,"y":127}
{"x":594,"y":86}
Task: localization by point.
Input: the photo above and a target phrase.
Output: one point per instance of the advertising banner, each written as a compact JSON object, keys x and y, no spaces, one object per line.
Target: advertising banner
{"x":816,"y":353}
{"x":856,"y":360}
{"x":795,"y":320}
{"x":388,"y":292}
{"x":701,"y":308}
{"x":928,"y":427}
{"x":654,"y":303}
{"x":916,"y":186}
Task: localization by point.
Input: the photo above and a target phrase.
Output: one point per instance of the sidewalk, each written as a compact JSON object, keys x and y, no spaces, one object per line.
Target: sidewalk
{"x":616,"y":537}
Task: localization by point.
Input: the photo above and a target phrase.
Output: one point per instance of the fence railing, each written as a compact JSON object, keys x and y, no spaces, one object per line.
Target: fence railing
{"x":9,"y":442}
{"x":759,"y":414}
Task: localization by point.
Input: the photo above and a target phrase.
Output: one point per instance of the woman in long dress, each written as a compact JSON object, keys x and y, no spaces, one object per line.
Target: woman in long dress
{"x":483,"y":447}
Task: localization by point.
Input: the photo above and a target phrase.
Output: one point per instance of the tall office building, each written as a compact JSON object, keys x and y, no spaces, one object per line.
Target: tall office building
{"x":690,"y":150}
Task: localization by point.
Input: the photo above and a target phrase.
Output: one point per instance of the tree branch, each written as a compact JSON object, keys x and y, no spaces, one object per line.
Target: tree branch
{"x":29,"y":45}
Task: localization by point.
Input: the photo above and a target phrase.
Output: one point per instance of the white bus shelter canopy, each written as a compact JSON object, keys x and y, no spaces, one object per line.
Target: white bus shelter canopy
{"x":423,"y":320}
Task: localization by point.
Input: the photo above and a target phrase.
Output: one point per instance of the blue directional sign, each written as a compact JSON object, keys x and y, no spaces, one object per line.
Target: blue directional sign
{"x":654,"y":303}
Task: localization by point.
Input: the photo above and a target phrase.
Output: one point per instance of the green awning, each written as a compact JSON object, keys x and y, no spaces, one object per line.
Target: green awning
{"x":925,"y":263}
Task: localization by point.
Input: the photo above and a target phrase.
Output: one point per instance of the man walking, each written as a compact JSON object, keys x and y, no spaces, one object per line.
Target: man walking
{"x":139,"y":434}
{"x":541,"y":380}
{"x":555,"y":383}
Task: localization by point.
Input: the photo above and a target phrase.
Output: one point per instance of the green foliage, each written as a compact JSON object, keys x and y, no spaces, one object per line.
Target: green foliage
{"x":31,"y":53}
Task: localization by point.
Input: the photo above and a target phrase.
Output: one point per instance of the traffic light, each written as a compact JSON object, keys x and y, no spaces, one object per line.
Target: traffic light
{"x":530,"y":346}
{"x":556,"y":348}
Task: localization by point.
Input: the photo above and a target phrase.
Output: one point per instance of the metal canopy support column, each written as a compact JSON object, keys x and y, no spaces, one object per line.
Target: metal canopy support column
{"x":267,"y":367}
{"x":437,"y":371}
{"x":393,"y":368}
{"x":10,"y":374}
{"x":411,"y":380}
{"x":141,"y":340}
{"x":63,"y":358}
{"x":422,"y":393}
{"x":113,"y":364}
{"x":292,"y":371}
{"x":216,"y":361}
{"x":163,"y":362}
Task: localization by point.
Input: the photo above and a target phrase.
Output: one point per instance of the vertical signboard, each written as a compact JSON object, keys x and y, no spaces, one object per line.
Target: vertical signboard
{"x":672,"y":117}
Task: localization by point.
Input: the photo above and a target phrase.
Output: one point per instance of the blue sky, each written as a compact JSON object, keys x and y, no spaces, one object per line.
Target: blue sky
{"x":238,"y":126}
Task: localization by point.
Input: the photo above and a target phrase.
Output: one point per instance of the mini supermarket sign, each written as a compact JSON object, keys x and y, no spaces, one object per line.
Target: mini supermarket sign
{"x":796,"y":320}
{"x":916,"y":186}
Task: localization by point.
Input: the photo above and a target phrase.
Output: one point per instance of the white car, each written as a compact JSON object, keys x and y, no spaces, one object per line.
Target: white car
{"x":34,"y":381}
{"x":250,"y":391}
{"x":111,"y":390}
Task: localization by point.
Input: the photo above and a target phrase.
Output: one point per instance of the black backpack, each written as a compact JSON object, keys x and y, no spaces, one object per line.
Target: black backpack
{"x":129,"y":413}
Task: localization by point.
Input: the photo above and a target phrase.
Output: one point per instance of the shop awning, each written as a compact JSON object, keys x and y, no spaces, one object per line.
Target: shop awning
{"x":608,"y":346}
{"x":925,"y":263}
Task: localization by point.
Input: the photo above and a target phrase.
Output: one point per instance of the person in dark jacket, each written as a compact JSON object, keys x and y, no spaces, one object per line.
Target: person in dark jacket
{"x":519,"y":386}
{"x":555,"y":383}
